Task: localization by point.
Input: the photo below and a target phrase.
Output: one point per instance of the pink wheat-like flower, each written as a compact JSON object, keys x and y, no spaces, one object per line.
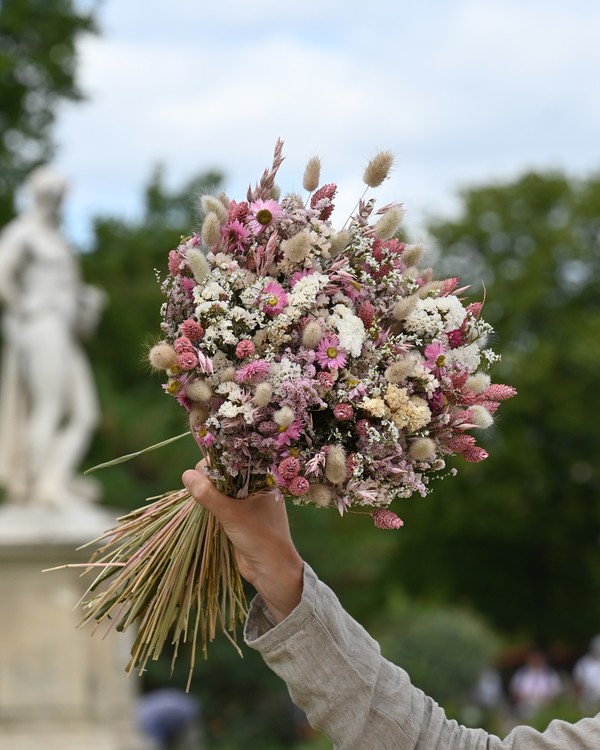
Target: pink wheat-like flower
{"x":499,"y":392}
{"x":460,"y":443}
{"x":262,"y":214}
{"x":449,"y":286}
{"x":475,"y":309}
{"x":366,"y":312}
{"x":253,"y":372}
{"x":245,"y":349}
{"x":298,"y":486}
{"x":273,"y":298}
{"x":322,"y":200}
{"x":386,"y":519}
{"x":329,"y":353}
{"x":475,"y":454}
{"x":288,"y":468}
{"x":174,"y":263}
{"x":192,"y":330}
{"x":343,"y":412}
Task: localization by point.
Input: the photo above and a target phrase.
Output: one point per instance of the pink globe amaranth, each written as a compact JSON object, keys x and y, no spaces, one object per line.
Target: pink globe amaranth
{"x":244,"y":349}
{"x":343,"y":412}
{"x":192,"y":330}
{"x":289,"y":468}
{"x":187,"y":360}
{"x":386,"y":519}
{"x":298,"y":486}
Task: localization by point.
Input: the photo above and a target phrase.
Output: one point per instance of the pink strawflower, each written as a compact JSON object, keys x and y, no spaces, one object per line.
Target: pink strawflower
{"x":192,"y":330}
{"x":253,"y":372}
{"x":236,"y":234}
{"x":289,"y":433}
{"x":288,"y":468}
{"x":262,"y":214}
{"x":183,"y":344}
{"x":366,"y":312}
{"x":273,"y":298}
{"x":329,"y":353}
{"x":322,"y":200}
{"x":386,"y":519}
{"x":343,"y":412}
{"x":244,"y":349}
{"x":174,"y":263}
{"x":325,"y":380}
{"x":187,"y":360}
{"x":435,"y":358}
{"x":188,"y":285}
{"x":298,"y":486}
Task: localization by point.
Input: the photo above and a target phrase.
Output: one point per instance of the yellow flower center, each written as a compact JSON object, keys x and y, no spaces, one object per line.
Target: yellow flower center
{"x":173,"y":387}
{"x":440,"y":361}
{"x":332,"y":352}
{"x":272,"y":300}
{"x":264,"y":217}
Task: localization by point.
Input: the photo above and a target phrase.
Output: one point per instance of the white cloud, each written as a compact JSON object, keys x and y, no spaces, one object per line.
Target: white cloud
{"x":460,"y":92}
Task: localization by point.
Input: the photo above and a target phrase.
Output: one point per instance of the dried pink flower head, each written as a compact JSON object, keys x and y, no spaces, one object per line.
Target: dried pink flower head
{"x":343,"y":412}
{"x":366,"y":312}
{"x":322,"y":201}
{"x":268,"y":427}
{"x":330,"y":354}
{"x":183,"y":344}
{"x":298,"y":486}
{"x":386,"y":519}
{"x":187,"y":360}
{"x":253,"y":372}
{"x":192,"y":330}
{"x":325,"y":380}
{"x":273,"y":298}
{"x":289,"y":468}
{"x":244,"y":349}
{"x":174,"y":263}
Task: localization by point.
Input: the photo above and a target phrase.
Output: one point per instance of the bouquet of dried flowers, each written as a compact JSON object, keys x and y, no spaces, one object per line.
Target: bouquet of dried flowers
{"x":329,"y":366}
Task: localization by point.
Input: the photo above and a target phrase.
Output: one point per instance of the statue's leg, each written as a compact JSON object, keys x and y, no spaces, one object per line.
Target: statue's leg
{"x":47,"y":374}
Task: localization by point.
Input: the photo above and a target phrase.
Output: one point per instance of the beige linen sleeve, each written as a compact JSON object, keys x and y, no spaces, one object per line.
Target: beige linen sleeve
{"x":336,"y":674}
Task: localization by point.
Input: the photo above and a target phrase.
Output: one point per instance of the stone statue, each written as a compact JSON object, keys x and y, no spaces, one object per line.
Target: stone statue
{"x":48,"y":406}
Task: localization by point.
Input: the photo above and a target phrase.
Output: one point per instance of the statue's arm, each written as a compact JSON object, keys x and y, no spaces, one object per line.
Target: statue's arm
{"x":12,"y":254}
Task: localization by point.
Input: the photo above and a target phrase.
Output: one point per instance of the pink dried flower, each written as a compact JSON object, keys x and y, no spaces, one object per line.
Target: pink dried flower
{"x":395,"y":246}
{"x":273,"y":298}
{"x":192,"y":330}
{"x":475,"y":309}
{"x":460,"y":443}
{"x":263,"y":214}
{"x":187,"y":360}
{"x":448,"y":286}
{"x":183,"y":344}
{"x":366,"y":312}
{"x":297,"y":275}
{"x":289,"y":468}
{"x":174,"y":263}
{"x":475,"y":454}
{"x":245,"y":349}
{"x":205,"y":364}
{"x":298,"y":486}
{"x":253,"y":372}
{"x":322,"y":200}
{"x":330,"y":354}
{"x":236,"y":234}
{"x":361,"y":427}
{"x":268,"y":427}
{"x":325,"y":380}
{"x":437,"y":401}
{"x":238,"y":211}
{"x":289,"y":433}
{"x":499,"y":392}
{"x":188,"y":285}
{"x":343,"y":412}
{"x":455,"y":338}
{"x":386,"y":519}
{"x":435,"y":358}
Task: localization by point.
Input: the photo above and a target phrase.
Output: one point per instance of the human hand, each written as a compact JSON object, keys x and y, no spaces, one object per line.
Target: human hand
{"x":259,"y":531}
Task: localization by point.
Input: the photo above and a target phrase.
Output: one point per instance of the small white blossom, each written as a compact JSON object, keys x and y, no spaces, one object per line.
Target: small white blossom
{"x":350,"y":329}
{"x":466,"y":356}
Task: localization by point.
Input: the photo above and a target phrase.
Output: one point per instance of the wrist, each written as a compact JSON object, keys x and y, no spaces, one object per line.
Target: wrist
{"x":281,"y":587}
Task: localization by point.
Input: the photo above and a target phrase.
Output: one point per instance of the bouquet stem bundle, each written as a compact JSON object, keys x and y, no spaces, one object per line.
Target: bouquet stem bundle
{"x":173,"y":572}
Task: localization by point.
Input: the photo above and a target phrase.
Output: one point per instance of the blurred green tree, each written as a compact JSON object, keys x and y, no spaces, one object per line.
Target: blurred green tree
{"x":38,"y":60}
{"x":518,"y":536}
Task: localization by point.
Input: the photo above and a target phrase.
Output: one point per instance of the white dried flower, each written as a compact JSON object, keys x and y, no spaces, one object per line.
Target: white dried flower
{"x":198,"y":263}
{"x":481,"y":417}
{"x":479,"y":382}
{"x":298,"y":247}
{"x":422,"y":449}
{"x":312,"y":335}
{"x":284,"y":416}
{"x":162,"y":356}
{"x":312,"y":174}
{"x":413,"y":254}
{"x":211,"y":229}
{"x":378,"y":168}
{"x":335,"y":465}
{"x":320,"y":495}
{"x":339,"y":242}
{"x":211,"y":204}
{"x":262,"y":394}
{"x":389,"y":223}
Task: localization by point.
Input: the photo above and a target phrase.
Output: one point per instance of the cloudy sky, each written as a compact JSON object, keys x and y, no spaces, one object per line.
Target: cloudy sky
{"x":463,"y":92}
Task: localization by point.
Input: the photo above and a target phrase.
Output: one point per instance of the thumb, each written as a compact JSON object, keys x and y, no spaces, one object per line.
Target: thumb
{"x":204,"y":492}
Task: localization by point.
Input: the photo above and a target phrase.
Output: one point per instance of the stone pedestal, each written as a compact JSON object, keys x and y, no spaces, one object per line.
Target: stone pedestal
{"x":60,"y":688}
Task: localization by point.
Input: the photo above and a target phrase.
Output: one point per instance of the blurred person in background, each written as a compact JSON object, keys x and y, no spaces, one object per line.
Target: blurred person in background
{"x":171,"y":719}
{"x":535,"y":685}
{"x":586,"y":678}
